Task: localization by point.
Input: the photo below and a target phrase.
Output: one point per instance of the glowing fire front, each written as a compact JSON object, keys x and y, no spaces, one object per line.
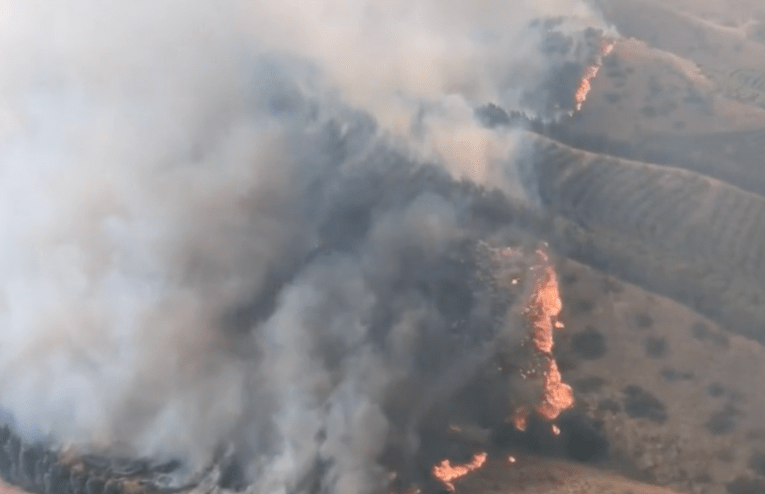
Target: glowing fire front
{"x":520,"y":418}
{"x":447,"y":473}
{"x":544,"y":306}
{"x":558,"y":396}
{"x":589,"y":74}
{"x":512,"y":270}
{"x":541,"y":311}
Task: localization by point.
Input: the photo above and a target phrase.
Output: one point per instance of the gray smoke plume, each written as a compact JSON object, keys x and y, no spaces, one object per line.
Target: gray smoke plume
{"x":247,"y":230}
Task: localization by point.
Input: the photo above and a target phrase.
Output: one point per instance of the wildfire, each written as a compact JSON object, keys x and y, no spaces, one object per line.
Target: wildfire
{"x":584,"y":85}
{"x":447,"y":473}
{"x":558,"y":396}
{"x":608,"y":47}
{"x":520,"y":418}
{"x":542,"y":309}
{"x":589,"y":74}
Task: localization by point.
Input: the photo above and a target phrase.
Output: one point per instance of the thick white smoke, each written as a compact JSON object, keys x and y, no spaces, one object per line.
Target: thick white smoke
{"x":199,"y":224}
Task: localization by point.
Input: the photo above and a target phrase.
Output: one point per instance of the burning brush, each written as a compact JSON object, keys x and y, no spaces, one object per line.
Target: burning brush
{"x":542,"y":306}
{"x":540,"y":310}
{"x":590,"y":73}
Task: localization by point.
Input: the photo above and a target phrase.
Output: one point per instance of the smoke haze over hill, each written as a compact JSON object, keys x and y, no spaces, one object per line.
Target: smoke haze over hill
{"x":238,"y":229}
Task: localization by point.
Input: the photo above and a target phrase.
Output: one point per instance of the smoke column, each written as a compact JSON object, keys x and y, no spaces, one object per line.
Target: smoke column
{"x":227,"y":227}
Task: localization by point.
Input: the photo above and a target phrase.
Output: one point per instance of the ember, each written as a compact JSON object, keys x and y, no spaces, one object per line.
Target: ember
{"x":520,"y":418}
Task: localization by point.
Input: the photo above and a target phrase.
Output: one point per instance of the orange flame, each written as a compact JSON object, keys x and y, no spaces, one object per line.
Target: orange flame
{"x":584,"y":86}
{"x":589,"y":74}
{"x":558,"y":396}
{"x":520,"y":417}
{"x":447,"y":473}
{"x":542,"y":309}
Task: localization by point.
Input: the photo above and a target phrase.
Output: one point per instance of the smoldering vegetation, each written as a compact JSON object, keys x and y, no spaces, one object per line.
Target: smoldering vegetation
{"x":37,"y":468}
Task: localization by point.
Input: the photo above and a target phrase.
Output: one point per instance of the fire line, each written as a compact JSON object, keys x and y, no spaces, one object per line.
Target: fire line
{"x":447,"y":473}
